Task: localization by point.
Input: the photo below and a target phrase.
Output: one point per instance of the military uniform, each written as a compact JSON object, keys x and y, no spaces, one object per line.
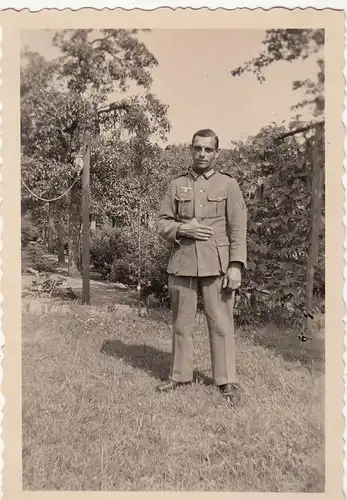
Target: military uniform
{"x":213,"y":199}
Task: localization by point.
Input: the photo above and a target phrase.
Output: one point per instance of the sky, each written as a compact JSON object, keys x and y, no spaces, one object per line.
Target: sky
{"x":193,"y":77}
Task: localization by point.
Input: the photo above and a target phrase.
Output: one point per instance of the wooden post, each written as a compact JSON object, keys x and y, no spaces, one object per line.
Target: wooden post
{"x":50,"y":229}
{"x":139,"y":261}
{"x":317,"y":182}
{"x":60,"y":241}
{"x":85,"y":221}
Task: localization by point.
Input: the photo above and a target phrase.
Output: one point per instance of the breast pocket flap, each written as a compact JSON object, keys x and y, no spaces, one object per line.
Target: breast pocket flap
{"x":217,"y":195}
{"x":183,"y":196}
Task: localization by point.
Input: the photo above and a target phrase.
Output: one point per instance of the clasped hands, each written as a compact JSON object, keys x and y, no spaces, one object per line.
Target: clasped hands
{"x":196,"y":231}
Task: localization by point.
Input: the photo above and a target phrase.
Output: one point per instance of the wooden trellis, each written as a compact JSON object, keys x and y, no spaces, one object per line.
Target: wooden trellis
{"x":317,"y":178}
{"x":316,"y":212}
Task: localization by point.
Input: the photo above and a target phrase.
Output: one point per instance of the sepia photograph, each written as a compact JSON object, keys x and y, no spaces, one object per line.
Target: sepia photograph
{"x":173,"y":259}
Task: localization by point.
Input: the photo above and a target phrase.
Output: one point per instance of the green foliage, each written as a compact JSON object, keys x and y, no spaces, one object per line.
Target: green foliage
{"x":62,"y":99}
{"x":279,"y":220}
{"x":290,"y":45}
{"x":283,"y":45}
{"x":29,"y":231}
{"x":115,"y":252}
{"x":37,"y":256}
{"x":99,"y":63}
{"x":103,"y":248}
{"x":131,"y":172}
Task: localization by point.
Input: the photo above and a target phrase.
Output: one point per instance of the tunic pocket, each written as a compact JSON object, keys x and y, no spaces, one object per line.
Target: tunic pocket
{"x":174,"y":260}
{"x":185,"y":204}
{"x":216,"y":203}
{"x":223,"y":247}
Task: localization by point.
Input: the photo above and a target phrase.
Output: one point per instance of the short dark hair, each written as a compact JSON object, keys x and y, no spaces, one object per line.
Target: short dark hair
{"x":207,"y":132}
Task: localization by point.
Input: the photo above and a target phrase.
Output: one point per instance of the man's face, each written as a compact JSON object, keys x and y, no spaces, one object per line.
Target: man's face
{"x":204,"y":152}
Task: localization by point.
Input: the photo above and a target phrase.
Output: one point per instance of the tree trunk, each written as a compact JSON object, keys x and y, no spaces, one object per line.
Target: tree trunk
{"x":61,"y":254}
{"x":60,"y":241}
{"x":43,"y":236}
{"x":74,"y":264}
{"x":50,"y":230}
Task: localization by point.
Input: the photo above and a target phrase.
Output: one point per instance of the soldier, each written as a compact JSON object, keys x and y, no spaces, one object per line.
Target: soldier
{"x":204,"y":216}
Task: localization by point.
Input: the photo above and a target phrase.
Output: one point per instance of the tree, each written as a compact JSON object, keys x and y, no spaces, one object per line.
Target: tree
{"x":74,"y":97}
{"x":290,"y":45}
{"x":47,"y":144}
{"x":96,"y":63}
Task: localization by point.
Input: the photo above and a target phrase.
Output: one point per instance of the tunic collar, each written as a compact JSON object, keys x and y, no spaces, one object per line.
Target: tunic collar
{"x":207,"y":174}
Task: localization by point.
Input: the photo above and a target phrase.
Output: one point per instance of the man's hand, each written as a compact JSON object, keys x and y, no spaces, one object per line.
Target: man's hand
{"x":194,"y":230}
{"x":232,"y":278}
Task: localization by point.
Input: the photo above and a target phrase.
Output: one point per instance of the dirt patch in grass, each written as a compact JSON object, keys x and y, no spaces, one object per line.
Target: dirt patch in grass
{"x":92,"y":419}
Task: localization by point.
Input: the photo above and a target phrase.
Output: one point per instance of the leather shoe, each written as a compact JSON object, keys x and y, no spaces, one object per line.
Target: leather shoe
{"x":231,"y":392}
{"x":170,"y":385}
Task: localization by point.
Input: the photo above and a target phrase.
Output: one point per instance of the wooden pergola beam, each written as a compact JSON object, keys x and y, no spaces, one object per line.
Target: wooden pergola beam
{"x":299,"y":130}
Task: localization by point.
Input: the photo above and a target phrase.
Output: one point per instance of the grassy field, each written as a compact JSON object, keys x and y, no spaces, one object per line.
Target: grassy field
{"x":92,"y":419}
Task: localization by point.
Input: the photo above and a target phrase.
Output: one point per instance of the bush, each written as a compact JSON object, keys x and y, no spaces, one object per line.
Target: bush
{"x":29,"y":232}
{"x":104,"y":245}
{"x":114,"y":252}
{"x":36,"y":254}
{"x":153,"y":260}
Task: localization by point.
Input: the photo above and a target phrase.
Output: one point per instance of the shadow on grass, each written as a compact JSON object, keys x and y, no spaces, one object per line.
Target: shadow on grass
{"x":144,"y":357}
{"x":286,"y":343}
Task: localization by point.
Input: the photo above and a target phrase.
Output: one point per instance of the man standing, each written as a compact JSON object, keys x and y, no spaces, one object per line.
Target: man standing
{"x":204,"y":215}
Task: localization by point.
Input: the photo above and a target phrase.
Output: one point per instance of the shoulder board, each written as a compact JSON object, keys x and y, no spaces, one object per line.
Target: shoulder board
{"x":182,"y":174}
{"x":227,"y":173}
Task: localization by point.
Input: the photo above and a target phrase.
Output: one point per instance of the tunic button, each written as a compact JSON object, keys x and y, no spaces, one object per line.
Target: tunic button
{"x":199,"y":218}
{"x":201,"y":206}
{"x":201,"y":190}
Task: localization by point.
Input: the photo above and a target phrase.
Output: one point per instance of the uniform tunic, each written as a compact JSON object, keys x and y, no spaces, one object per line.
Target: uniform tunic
{"x":213,"y":199}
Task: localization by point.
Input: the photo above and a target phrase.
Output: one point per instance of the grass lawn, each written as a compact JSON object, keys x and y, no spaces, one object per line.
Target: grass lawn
{"x":93,"y":421}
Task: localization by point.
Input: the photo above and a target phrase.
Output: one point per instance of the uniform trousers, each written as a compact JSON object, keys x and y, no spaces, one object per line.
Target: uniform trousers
{"x":218,"y":307}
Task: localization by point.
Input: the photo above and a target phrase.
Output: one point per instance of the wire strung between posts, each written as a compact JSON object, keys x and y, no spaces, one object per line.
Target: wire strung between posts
{"x":53,"y":199}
